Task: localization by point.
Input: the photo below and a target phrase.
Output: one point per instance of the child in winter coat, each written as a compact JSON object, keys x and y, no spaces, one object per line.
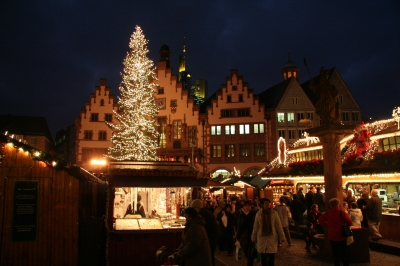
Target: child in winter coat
{"x":308,"y":234}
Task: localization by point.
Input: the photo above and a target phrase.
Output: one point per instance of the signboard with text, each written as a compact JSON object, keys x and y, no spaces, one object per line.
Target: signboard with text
{"x":25,"y":211}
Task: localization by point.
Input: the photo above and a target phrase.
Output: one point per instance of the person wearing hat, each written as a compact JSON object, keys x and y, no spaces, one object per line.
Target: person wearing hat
{"x":211,"y":226}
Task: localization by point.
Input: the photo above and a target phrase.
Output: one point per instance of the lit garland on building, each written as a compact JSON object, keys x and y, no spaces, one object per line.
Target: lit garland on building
{"x":135,"y":136}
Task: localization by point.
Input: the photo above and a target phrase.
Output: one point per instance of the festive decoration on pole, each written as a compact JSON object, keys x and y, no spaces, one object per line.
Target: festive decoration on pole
{"x":135,"y":136}
{"x":361,"y":139}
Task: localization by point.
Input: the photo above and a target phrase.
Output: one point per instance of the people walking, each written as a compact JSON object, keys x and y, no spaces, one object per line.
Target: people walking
{"x":211,"y":226}
{"x":227,"y":229}
{"x":301,"y":196}
{"x":297,"y":209}
{"x":244,"y":229}
{"x":374,"y":215}
{"x":267,"y":227}
{"x":333,"y":219}
{"x":195,"y":249}
{"x":284,"y":215}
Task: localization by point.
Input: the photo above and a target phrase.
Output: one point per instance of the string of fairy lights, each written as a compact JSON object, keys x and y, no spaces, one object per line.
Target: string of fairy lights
{"x":373,"y":128}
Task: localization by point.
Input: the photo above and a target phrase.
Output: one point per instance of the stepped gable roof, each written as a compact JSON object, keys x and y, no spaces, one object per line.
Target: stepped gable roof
{"x":306,"y":86}
{"x":207,"y":103}
{"x":25,"y":125}
{"x":272,"y":96}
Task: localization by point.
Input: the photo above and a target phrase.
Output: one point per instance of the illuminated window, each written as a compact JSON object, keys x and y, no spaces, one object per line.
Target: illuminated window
{"x":392,"y":143}
{"x":244,"y":150}
{"x":290,"y":117}
{"x":162,"y":126}
{"x":281,"y":117}
{"x":216,"y":151}
{"x":215,"y":130}
{"x":102,"y":135}
{"x":229,"y":129}
{"x":88,"y":134}
{"x":177,"y":129}
{"x":192,"y":136}
{"x":94,"y":117}
{"x":259,"y":149}
{"x":259,"y":128}
{"x":244,"y":129}
{"x":230,"y":150}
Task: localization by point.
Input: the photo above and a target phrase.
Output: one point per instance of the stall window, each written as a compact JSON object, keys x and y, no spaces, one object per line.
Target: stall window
{"x":392,"y":143}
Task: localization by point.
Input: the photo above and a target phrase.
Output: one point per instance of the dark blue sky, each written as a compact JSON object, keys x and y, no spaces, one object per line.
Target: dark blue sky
{"x":53,"y":53}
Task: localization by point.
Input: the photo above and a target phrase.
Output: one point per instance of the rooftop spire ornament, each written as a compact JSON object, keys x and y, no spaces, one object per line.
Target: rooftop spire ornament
{"x":396,"y":116}
{"x":134,"y":138}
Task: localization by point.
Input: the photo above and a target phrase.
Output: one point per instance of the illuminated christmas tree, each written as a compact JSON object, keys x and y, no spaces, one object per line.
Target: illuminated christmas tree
{"x":135,"y":136}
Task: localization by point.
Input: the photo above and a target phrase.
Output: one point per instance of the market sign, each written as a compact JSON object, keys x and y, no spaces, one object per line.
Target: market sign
{"x":25,"y":210}
{"x":281,"y":182}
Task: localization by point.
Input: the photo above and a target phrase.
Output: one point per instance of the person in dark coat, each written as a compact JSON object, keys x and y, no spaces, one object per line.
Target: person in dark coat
{"x":301,"y":196}
{"x":297,"y":210}
{"x":362,"y":203}
{"x":374,"y":215}
{"x":312,"y":217}
{"x":310,"y":198}
{"x":226,"y":222}
{"x":245,"y":229}
{"x":211,"y":226}
{"x":319,"y":198}
{"x":195,"y":249}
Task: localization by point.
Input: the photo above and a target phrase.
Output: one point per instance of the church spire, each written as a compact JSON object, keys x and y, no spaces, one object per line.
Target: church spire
{"x":290,"y":69}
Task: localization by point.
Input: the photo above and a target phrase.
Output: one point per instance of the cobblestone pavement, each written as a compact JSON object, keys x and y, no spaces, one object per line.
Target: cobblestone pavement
{"x":296,"y":255}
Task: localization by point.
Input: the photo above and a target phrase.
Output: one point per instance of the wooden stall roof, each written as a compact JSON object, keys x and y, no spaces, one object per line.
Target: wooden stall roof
{"x":156,"y":174}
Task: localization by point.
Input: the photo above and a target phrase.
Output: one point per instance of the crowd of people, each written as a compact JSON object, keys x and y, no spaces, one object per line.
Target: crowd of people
{"x":260,"y":228}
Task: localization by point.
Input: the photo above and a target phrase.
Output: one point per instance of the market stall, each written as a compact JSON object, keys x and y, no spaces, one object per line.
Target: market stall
{"x":145,"y":200}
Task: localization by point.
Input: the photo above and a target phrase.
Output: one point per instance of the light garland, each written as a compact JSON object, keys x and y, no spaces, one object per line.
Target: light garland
{"x":135,"y":137}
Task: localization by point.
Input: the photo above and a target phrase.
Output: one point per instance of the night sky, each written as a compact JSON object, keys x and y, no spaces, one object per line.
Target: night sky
{"x":53,"y":53}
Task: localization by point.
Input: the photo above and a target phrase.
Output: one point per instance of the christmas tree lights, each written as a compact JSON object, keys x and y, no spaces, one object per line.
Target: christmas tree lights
{"x":134,"y":138}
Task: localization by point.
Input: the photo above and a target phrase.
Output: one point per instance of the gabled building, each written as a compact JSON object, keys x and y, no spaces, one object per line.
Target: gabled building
{"x":290,"y":107}
{"x":180,"y":130}
{"x":235,"y":129}
{"x":92,"y":133}
{"x":31,"y":130}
